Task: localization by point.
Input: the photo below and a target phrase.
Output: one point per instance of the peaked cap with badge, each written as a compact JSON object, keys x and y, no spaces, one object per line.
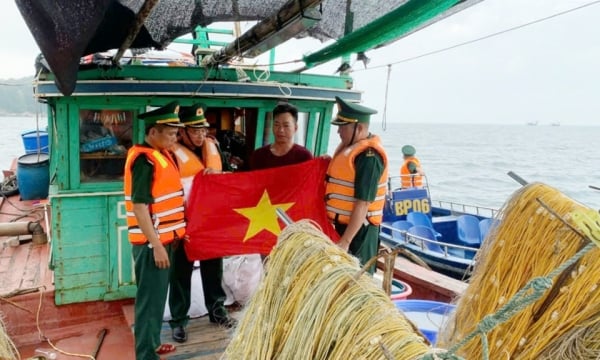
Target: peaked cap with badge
{"x":193,"y":116}
{"x":349,"y":113}
{"x":165,"y":115}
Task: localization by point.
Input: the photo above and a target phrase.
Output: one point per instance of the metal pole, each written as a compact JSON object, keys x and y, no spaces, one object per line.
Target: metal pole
{"x":517,"y":178}
{"x":135,"y":29}
{"x":283,"y":216}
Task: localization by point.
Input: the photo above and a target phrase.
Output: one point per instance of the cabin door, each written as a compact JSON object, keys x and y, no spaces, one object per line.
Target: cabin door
{"x":121,"y":270}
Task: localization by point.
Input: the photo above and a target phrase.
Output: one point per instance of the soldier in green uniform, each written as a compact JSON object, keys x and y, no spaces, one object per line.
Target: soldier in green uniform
{"x":156,"y":221}
{"x":357,"y":182}
{"x":194,"y":137}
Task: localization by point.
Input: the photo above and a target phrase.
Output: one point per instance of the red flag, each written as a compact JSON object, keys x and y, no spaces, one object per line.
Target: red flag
{"x":232,"y":214}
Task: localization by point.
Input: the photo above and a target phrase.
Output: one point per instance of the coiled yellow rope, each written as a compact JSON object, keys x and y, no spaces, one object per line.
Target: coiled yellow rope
{"x":531,"y":242}
{"x":311,"y":305}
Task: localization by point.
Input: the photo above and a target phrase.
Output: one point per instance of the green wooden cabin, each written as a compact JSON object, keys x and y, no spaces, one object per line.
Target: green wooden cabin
{"x":91,"y":129}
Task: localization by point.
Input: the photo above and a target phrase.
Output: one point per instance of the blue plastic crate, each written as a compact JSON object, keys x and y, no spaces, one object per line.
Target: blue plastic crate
{"x":98,"y":144}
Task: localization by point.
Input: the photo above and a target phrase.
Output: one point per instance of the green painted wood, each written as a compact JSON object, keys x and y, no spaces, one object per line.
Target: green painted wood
{"x":83,"y":265}
{"x":79,"y":247}
{"x":311,"y":127}
{"x":389,"y":27}
{"x":67,"y":250}
{"x":59,"y":147}
{"x":324,"y":131}
{"x":124,"y":292}
{"x":202,"y":43}
{"x":260,"y":127}
{"x":91,"y":253}
{"x":205,"y":30}
{"x":120,"y":267}
{"x":142,"y":72}
{"x":69,"y":296}
{"x":76,"y":282}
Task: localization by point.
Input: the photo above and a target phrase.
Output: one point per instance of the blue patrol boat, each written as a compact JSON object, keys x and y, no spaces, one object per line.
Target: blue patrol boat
{"x":444,"y":235}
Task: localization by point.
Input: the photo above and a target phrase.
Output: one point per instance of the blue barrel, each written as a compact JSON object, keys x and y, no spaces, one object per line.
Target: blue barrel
{"x":35,"y":141}
{"x":428,"y":316}
{"x":33,"y":176}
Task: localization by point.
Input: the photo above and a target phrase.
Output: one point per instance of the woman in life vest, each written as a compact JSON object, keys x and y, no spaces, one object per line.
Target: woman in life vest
{"x":356,"y":182}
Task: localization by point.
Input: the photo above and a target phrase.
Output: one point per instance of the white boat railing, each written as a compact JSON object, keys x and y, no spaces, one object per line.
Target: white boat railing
{"x":459,"y":208}
{"x":408,"y":238}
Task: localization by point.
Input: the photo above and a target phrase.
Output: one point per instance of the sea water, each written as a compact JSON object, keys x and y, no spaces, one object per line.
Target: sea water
{"x":11,"y":146}
{"x":463,"y":163}
{"x":469,"y":163}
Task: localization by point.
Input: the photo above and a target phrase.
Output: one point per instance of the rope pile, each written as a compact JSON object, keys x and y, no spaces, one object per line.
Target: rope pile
{"x":531,"y":241}
{"x":315,"y":304}
{"x":8,"y":351}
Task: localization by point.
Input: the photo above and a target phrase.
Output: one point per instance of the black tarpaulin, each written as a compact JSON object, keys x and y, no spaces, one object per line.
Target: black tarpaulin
{"x":66,"y":30}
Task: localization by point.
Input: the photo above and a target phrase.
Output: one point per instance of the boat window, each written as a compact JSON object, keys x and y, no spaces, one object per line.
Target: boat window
{"x":267,"y":135}
{"x":300,"y":137}
{"x":104,"y":137}
{"x":312,"y":131}
{"x":231,"y":126}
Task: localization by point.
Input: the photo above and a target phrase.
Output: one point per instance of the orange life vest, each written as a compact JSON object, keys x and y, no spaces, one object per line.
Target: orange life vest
{"x":339,"y":191}
{"x":166,"y":212}
{"x":189,"y":164}
{"x":410,"y":180}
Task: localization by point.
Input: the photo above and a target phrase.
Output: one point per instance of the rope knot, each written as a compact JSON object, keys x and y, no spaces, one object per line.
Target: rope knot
{"x":541,"y":283}
{"x":487,"y":323}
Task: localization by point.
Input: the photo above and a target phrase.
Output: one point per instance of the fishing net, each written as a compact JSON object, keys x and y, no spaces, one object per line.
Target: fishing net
{"x":312,"y":305}
{"x":538,"y":235}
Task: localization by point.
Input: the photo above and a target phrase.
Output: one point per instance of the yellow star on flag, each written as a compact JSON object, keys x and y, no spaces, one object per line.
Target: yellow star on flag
{"x":263,"y":216}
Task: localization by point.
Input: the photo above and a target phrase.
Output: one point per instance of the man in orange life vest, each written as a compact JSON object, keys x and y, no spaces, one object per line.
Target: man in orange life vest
{"x":196,"y":153}
{"x":411,"y":174}
{"x":356,"y":182}
{"x":155,"y":220}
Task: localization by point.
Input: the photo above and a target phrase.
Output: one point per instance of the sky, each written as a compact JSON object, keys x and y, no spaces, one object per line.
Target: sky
{"x":546,"y":72}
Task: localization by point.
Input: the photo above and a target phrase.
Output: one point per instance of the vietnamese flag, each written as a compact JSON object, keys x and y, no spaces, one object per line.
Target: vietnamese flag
{"x":232,"y":214}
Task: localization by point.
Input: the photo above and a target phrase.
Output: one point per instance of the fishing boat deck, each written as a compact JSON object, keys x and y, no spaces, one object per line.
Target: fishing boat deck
{"x":206,"y":341}
{"x":23,"y":264}
{"x":29,"y":314}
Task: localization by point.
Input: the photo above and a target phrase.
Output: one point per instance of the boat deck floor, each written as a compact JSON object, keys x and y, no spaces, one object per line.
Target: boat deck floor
{"x":23,"y":264}
{"x":30,"y":316}
{"x":206,"y":341}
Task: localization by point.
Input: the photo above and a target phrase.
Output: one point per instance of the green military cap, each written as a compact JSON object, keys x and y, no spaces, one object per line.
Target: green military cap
{"x":193,"y":116}
{"x":351,"y":113}
{"x":165,"y":115}
{"x":408,"y":150}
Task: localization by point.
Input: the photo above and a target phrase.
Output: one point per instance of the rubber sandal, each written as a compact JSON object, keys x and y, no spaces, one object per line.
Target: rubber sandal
{"x":165,"y":349}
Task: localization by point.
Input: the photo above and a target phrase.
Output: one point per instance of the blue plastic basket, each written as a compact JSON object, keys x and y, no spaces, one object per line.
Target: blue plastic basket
{"x":35,"y":141}
{"x":420,"y":313}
